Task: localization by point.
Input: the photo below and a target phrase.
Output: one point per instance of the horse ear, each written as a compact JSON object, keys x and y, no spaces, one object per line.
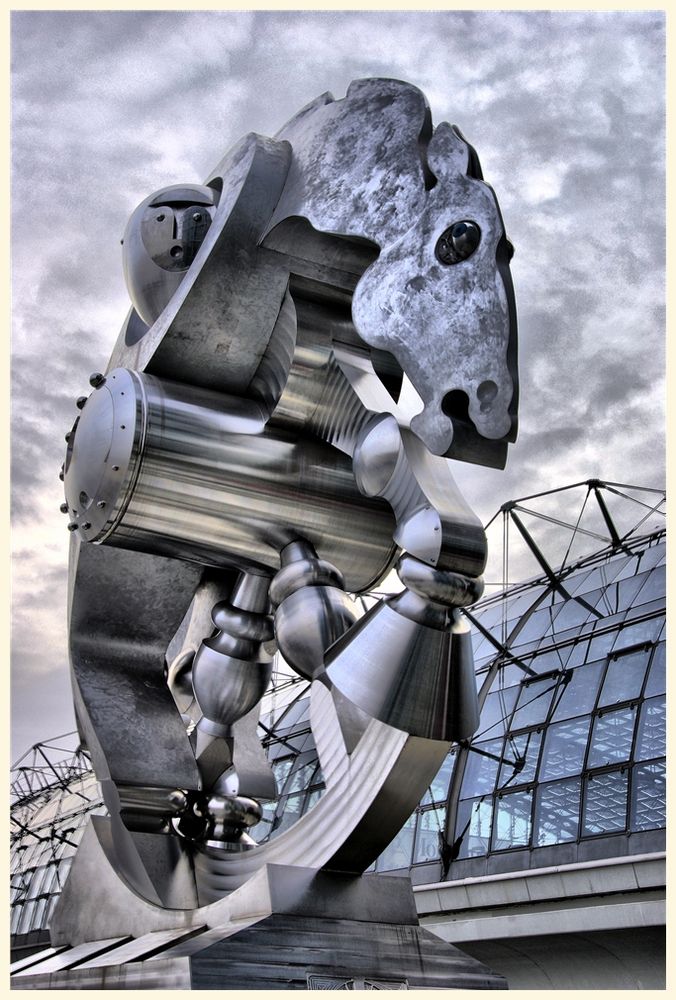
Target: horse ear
{"x":447,"y":153}
{"x":473,"y":166}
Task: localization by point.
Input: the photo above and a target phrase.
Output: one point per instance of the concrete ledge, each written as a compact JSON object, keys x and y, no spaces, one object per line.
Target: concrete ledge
{"x":489,"y":925}
{"x":617,"y":893}
{"x":542,"y":885}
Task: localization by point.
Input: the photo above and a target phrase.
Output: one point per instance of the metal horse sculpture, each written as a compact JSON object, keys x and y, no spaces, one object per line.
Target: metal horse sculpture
{"x":315,"y":332}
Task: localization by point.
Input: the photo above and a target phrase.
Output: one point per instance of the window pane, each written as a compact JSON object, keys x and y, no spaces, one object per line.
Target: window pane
{"x":512,"y":820}
{"x":297,"y":711}
{"x":600,"y":645}
{"x":481,"y":771}
{"x":533,"y":704}
{"x":654,"y":587}
{"x":313,"y":798}
{"x":579,"y":653}
{"x":652,"y":556}
{"x":651,"y":739}
{"x":564,"y":750}
{"x":631,"y":635}
{"x":430,"y":827}
{"x":624,"y":677}
{"x":300,"y":777}
{"x":439,"y":784}
{"x":497,"y":707}
{"x":535,"y":626}
{"x":612,"y":737}
{"x":577,"y":692}
{"x":17,"y":912}
{"x":290,"y":809}
{"x":281,"y":769}
{"x":657,"y":682}
{"x":26,"y":917}
{"x":629,"y":588}
{"x":398,"y":854}
{"x":557,"y":812}
{"x":648,"y":800}
{"x":473,"y":826}
{"x":605,"y":807}
{"x":572,"y":613}
{"x":39,"y":913}
{"x":551,"y":659}
{"x":521,"y":759}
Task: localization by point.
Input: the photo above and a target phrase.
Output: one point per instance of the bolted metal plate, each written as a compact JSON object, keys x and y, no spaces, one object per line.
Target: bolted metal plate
{"x":101,"y":457}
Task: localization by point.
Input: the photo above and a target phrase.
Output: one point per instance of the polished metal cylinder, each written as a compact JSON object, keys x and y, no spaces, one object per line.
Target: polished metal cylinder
{"x":189,"y":473}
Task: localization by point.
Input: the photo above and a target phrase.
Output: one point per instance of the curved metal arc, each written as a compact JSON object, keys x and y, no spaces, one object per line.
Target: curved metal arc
{"x":349,"y":827}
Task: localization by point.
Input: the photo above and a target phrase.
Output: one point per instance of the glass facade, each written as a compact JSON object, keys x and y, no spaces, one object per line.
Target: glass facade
{"x":582,"y":712}
{"x":570,"y":749}
{"x":53,"y":793}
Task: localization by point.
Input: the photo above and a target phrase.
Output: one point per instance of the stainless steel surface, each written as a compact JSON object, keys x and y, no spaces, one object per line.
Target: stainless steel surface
{"x":281,"y":403}
{"x":415,"y":669}
{"x":312,"y":609}
{"x":451,"y":589}
{"x":191,"y":474}
{"x":232,"y":669}
{"x":217,"y":326}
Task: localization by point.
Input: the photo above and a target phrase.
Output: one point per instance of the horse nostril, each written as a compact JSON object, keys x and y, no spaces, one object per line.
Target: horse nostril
{"x":486,"y":393}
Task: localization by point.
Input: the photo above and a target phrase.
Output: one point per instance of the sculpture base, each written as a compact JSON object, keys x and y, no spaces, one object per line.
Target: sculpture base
{"x":283,"y":952}
{"x":289,"y":928}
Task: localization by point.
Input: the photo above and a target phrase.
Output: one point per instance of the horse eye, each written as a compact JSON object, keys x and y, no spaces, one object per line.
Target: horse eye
{"x":458,"y":242}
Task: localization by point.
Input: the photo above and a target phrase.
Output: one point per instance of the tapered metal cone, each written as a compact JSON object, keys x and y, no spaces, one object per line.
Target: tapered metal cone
{"x":409,"y":674}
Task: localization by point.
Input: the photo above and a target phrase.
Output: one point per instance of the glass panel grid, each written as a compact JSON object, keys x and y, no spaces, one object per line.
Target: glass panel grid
{"x":605,"y":805}
{"x":557,"y":812}
{"x":533,"y":704}
{"x":577,"y":691}
{"x":624,"y":677}
{"x":398,"y":853}
{"x":481,"y":768}
{"x":648,"y":799}
{"x":429,"y":833}
{"x":651,"y":738}
{"x":612,"y":737}
{"x":565,"y":748}
{"x":473,"y":826}
{"x":438,"y":789}
{"x":512,"y":822}
{"x":521,"y":759}
{"x":657,"y":680}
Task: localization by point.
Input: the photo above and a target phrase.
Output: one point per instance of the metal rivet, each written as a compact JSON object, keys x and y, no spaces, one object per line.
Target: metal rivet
{"x":61,"y":474}
{"x":100,"y":504}
{"x":80,"y":402}
{"x":116,"y":468}
{"x":64,"y":508}
{"x":72,"y":526}
{"x":86,"y":526}
{"x":68,"y":436}
{"x":196,"y":217}
{"x":96,"y":380}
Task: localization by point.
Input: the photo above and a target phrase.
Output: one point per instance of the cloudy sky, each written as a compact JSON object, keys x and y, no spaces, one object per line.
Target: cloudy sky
{"x":566,"y":111}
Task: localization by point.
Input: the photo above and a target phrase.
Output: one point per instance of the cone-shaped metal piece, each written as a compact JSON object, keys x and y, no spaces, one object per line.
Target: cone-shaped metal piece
{"x":411,"y":675}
